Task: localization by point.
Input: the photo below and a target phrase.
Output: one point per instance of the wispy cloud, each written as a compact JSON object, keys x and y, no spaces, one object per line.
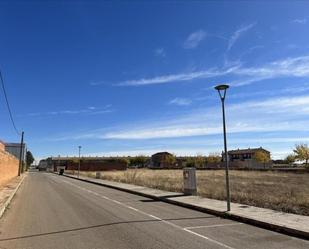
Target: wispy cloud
{"x":175,"y":131}
{"x":160,"y":52}
{"x":288,"y":90}
{"x":295,"y":105}
{"x":98,"y":83}
{"x":236,"y":35}
{"x":194,"y":39}
{"x":249,"y":123}
{"x":300,"y":21}
{"x":299,"y":89}
{"x":181,"y":101}
{"x":91,"y":110}
{"x":274,"y":114}
{"x":288,"y":67}
{"x":209,"y":73}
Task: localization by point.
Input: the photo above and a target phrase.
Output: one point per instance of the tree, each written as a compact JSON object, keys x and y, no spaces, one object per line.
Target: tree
{"x":190,"y":162}
{"x":29,"y":158}
{"x":138,"y":161}
{"x":213,"y":158}
{"x":170,"y":160}
{"x":200,"y":161}
{"x":302,"y":153}
{"x":290,"y":159}
{"x":262,"y":157}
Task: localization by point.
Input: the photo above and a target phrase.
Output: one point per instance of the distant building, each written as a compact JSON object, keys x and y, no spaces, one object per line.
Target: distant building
{"x":245,"y":154}
{"x":163,"y":160}
{"x":86,"y":163}
{"x":14,"y":149}
{"x":246,"y":158}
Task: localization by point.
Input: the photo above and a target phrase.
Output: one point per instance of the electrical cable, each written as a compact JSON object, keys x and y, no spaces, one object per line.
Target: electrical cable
{"x":8,"y":105}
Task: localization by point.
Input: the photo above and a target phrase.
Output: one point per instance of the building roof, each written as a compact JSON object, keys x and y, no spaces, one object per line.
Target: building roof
{"x":161,"y":153}
{"x":246,"y":151}
{"x":13,"y":144}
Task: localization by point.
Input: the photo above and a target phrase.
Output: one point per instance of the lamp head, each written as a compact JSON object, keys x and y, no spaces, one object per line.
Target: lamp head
{"x":221,"y":87}
{"x":222,"y":90}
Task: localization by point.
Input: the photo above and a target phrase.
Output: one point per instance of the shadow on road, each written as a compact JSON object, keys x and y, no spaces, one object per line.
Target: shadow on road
{"x":98,"y":226}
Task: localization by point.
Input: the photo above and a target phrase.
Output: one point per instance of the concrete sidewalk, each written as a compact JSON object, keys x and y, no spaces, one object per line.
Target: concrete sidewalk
{"x":291,"y":224}
{"x":8,"y":191}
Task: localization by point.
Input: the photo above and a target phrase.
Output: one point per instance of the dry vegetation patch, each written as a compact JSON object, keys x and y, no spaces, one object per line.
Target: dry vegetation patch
{"x":287,"y":192}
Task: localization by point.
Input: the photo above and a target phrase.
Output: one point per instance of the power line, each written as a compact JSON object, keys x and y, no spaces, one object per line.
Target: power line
{"x":7,"y":104}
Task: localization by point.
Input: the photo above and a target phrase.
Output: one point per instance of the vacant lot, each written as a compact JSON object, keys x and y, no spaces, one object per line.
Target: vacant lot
{"x":287,"y":192}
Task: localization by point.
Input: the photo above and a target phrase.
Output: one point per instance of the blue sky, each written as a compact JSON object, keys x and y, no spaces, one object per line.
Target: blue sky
{"x":136,"y":78}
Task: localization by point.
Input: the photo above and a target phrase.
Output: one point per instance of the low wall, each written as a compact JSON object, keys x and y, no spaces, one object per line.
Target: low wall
{"x":8,"y":167}
{"x":103,"y":165}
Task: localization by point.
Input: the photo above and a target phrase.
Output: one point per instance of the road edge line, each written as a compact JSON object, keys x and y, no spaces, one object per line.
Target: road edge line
{"x":227,"y":215}
{"x":8,"y":201}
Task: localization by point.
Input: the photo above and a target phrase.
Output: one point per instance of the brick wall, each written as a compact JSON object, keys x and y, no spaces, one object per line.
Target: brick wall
{"x":92,"y":165}
{"x":2,"y":146}
{"x":8,"y":166}
{"x":97,"y":166}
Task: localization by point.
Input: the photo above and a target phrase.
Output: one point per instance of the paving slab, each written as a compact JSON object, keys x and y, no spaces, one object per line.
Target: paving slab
{"x":291,"y":224}
{"x":8,"y":191}
{"x":296,"y":225}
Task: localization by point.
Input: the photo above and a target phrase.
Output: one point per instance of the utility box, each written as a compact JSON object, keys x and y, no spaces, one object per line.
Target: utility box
{"x":98,"y":175}
{"x":189,"y":181}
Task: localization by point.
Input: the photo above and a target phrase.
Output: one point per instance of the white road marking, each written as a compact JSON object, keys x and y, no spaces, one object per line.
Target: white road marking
{"x":133,"y":208}
{"x":209,"y":239}
{"x":116,"y":201}
{"x":218,"y":225}
{"x":152,"y":216}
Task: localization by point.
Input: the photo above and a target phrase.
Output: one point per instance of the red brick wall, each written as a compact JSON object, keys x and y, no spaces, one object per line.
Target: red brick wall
{"x":8,"y":166}
{"x":96,"y":166}
{"x":93,"y":165}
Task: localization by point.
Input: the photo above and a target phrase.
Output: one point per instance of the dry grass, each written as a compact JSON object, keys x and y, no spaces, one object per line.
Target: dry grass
{"x":287,"y":192}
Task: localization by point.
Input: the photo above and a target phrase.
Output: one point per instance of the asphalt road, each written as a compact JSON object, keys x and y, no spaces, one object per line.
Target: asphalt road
{"x":56,"y":212}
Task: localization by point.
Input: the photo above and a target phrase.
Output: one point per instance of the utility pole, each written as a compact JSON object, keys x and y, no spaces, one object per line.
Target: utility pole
{"x":21,"y":153}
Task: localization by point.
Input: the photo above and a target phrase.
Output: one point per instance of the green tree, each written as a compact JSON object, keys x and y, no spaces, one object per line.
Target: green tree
{"x":290,"y":159}
{"x":29,"y":158}
{"x":190,"y":162}
{"x":200,"y":161}
{"x":262,"y":157}
{"x":213,"y":158}
{"x":170,"y":160}
{"x":123,"y":160}
{"x":302,"y":153}
{"x":139,"y":161}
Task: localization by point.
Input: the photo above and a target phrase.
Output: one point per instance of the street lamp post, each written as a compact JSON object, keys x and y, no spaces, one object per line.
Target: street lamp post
{"x":222,"y":93}
{"x":79,"y":148}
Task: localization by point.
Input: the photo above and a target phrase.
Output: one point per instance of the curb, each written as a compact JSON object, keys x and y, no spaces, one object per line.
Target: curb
{"x":228,"y":215}
{"x":258,"y":223}
{"x":8,"y":201}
